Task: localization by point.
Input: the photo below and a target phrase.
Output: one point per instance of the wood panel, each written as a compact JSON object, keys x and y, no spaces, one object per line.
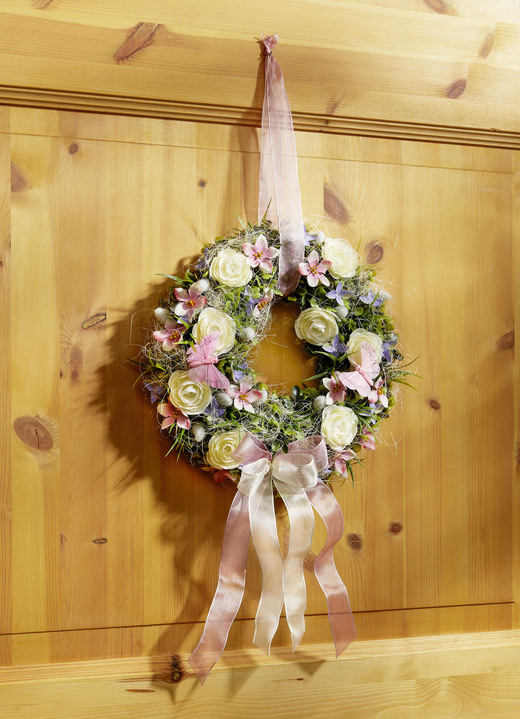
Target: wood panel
{"x":435,"y":677}
{"x":105,"y":532}
{"x":423,"y":68}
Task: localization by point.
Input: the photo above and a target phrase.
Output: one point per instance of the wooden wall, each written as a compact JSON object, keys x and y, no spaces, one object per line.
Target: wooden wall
{"x":109,"y":551}
{"x":423,"y":68}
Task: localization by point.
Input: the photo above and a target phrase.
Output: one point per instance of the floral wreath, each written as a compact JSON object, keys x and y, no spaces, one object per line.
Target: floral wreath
{"x":196,"y":367}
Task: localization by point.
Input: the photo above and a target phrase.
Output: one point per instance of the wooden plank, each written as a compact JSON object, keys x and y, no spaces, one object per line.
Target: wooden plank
{"x":71,"y":126}
{"x":5,"y":383}
{"x":149,"y":640}
{"x":516,"y":447}
{"x":388,"y":69}
{"x":432,"y":677}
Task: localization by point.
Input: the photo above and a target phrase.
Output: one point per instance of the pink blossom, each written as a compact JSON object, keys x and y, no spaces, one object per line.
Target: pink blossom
{"x":190,"y":301}
{"x":368,"y":441}
{"x":244,"y":396}
{"x":341,"y":459}
{"x":172,"y":415}
{"x":263,"y":302}
{"x":336,"y":391}
{"x":219,"y":475}
{"x":314,"y":269}
{"x":170,"y":335}
{"x":378,"y":394}
{"x":260,"y":254}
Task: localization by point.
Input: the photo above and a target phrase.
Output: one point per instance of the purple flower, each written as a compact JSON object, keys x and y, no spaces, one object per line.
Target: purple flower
{"x":214,"y":410}
{"x":372,"y":299}
{"x":336,"y":347}
{"x":240,"y":372}
{"x":387,"y":347}
{"x":338,"y":293}
{"x":155,"y":389}
{"x":203,"y":260}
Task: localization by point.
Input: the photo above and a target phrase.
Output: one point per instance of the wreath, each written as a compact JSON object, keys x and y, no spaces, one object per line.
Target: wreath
{"x":196,"y":366}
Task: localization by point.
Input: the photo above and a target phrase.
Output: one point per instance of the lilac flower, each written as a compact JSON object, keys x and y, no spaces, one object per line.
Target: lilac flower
{"x":338,"y":293}
{"x":155,"y":389}
{"x":387,"y":347}
{"x":203,"y":260}
{"x":239,"y":372}
{"x":336,"y":347}
{"x":372,"y":299}
{"x":214,"y":410}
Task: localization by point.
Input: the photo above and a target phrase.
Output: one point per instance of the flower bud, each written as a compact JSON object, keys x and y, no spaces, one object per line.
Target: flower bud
{"x":200,"y":286}
{"x":160,"y":313}
{"x":342,"y":312}
{"x":319,"y":402}
{"x":198,"y":431}
{"x":223,"y":399}
{"x":248,"y":334}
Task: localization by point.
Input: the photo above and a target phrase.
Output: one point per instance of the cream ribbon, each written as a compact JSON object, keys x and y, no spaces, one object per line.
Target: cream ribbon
{"x":282,"y":582}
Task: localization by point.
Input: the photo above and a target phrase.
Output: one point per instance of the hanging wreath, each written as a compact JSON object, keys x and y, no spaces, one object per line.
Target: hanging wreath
{"x":196,"y":367}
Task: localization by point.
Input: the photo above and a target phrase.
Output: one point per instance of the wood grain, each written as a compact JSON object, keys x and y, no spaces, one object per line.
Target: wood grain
{"x":397,"y":69}
{"x":432,"y":677}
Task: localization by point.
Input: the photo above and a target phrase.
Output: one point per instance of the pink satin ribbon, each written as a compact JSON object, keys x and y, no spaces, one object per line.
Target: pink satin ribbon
{"x":279,"y":190}
{"x":295,"y":475}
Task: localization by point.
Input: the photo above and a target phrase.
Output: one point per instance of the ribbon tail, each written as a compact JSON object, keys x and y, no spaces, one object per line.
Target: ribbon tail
{"x":265,"y":541}
{"x":230,"y":589}
{"x":279,"y":189}
{"x":301,"y":518}
{"x":340,"y":613}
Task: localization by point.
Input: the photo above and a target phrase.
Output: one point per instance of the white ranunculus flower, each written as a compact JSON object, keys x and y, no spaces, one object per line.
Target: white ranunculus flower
{"x":359,"y":337}
{"x":231,"y":268}
{"x":212,"y":320}
{"x":221,"y":447}
{"x":189,"y":396}
{"x":344,"y":258}
{"x":316,"y":326}
{"x":338,"y":426}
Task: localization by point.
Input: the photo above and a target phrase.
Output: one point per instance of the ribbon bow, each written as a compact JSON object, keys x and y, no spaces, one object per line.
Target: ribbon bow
{"x":295,"y":476}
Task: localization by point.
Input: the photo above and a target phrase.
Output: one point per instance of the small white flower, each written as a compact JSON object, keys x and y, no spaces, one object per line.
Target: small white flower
{"x":265,"y":395}
{"x":344,"y":258}
{"x":338,"y":426}
{"x":316,"y":326}
{"x":342,"y":312}
{"x":221,"y":447}
{"x":198,"y":431}
{"x":360,"y":337}
{"x":187,"y":395}
{"x":212,"y":320}
{"x":230,"y":268}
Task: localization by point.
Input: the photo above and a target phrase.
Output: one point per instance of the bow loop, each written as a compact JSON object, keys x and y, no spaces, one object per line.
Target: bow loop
{"x":253,"y":476}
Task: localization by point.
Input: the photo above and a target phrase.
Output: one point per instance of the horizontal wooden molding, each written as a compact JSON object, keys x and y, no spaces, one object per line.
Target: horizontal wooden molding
{"x":230,"y":115}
